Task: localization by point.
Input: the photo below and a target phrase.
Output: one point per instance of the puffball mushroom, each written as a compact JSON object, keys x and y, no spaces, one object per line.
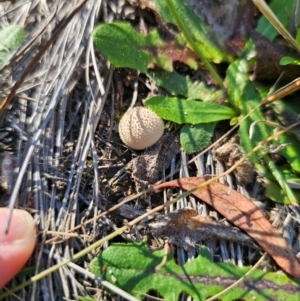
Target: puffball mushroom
{"x":140,"y":128}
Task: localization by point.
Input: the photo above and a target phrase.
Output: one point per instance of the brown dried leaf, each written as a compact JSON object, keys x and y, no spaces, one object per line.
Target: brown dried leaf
{"x":246,"y":215}
{"x":186,"y":229}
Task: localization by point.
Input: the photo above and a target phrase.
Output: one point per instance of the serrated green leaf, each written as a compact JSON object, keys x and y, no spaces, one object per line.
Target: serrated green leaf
{"x":177,"y":84}
{"x":188,"y":111}
{"x":11,"y":37}
{"x":121,"y":44}
{"x":194,"y":138}
{"x":132,"y":268}
{"x":125,"y":47}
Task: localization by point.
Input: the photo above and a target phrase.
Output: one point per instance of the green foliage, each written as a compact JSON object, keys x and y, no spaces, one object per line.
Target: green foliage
{"x":188,"y":111}
{"x":287,"y":60}
{"x":237,"y":78}
{"x":205,"y":39}
{"x":284,"y":13}
{"x":196,"y":137}
{"x":125,"y":47}
{"x":254,"y":129}
{"x":141,"y":52}
{"x":133,"y":268}
{"x":11,"y":37}
{"x":242,"y":94}
{"x":298,"y":32}
{"x":195,"y":105}
{"x":177,"y":84}
{"x":290,"y":150}
{"x":81,"y":298}
{"x":274,"y":192}
{"x":288,"y":113}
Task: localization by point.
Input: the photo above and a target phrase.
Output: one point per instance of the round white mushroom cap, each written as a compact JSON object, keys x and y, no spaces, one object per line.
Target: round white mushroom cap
{"x":140,"y":128}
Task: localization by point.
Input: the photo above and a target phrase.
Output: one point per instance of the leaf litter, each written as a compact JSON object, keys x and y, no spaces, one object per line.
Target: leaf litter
{"x":245,"y":215}
{"x":60,"y":96}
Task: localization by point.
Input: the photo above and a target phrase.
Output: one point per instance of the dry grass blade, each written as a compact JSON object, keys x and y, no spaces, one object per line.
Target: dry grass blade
{"x":284,"y":91}
{"x":48,"y":121}
{"x":36,"y":59}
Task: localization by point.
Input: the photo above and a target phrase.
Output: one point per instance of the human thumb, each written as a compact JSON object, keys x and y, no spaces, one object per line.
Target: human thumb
{"x":17,"y":245}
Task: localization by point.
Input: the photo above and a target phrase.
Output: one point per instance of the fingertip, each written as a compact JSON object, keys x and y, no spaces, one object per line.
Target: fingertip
{"x":17,"y":245}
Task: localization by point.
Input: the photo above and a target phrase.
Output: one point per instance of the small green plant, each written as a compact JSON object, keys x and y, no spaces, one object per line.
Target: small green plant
{"x":11,"y":37}
{"x":139,"y":271}
{"x":139,"y":52}
{"x":194,"y":105}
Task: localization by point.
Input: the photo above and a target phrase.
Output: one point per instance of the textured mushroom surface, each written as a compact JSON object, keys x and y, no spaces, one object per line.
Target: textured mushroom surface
{"x":140,"y":128}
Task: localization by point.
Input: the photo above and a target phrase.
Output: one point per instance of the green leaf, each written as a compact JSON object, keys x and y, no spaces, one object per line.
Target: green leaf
{"x":274,"y":192}
{"x":283,"y":12}
{"x":11,"y":37}
{"x":236,"y":79}
{"x":132,"y":268}
{"x":291,"y":151}
{"x":164,"y":11}
{"x":82,"y":298}
{"x":125,"y":47}
{"x":242,"y":92}
{"x":286,"y":60}
{"x":188,"y":111}
{"x":288,"y":113}
{"x":260,"y":130}
{"x":298,"y":35}
{"x":249,"y":105}
{"x":194,"y":138}
{"x":211,"y":46}
{"x":177,"y":84}
{"x":281,"y":179}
